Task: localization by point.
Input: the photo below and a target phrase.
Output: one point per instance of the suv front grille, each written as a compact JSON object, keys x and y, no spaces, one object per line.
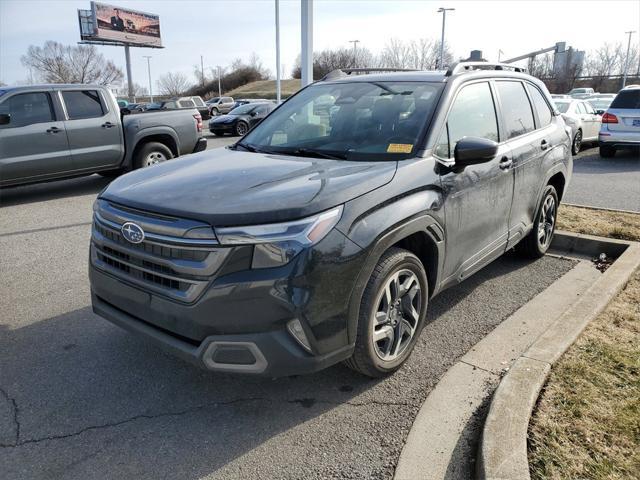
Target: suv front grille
{"x":176,"y":267}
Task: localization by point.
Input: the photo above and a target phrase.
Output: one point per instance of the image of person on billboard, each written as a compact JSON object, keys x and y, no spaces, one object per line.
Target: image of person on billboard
{"x":116,"y":21}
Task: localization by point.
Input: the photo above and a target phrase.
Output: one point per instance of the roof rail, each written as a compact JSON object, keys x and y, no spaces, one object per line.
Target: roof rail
{"x":468,"y":66}
{"x":343,"y":72}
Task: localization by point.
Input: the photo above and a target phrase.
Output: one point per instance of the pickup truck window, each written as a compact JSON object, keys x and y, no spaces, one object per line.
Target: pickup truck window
{"x":516,"y":109}
{"x":28,"y":108}
{"x":83,"y":104}
{"x":473,"y":114}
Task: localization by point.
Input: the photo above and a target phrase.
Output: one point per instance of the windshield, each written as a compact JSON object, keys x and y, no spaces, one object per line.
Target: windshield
{"x":600,"y":104}
{"x":351,"y":120}
{"x":562,"y":106}
{"x":243,"y":109}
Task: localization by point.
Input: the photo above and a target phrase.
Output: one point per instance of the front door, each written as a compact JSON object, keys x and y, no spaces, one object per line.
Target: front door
{"x":34,"y":143}
{"x":94,"y":132}
{"x":477,"y":197}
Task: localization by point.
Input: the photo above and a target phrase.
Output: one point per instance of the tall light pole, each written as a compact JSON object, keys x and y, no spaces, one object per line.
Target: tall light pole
{"x":444,"y":17}
{"x":278,"y":91}
{"x":355,"y":58}
{"x":219,"y":87}
{"x":500,"y":52}
{"x":148,"y":57}
{"x":626,"y":61}
{"x":202,"y":68}
{"x":306,"y":55}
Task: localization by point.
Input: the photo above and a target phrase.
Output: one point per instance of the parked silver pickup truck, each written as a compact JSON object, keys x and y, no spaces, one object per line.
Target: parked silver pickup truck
{"x":49,"y":132}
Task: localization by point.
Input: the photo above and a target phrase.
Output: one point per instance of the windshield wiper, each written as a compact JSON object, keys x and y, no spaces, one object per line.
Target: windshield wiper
{"x":251,"y":148}
{"x":310,"y":152}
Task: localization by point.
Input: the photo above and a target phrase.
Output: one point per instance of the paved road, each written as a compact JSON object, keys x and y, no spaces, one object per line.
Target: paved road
{"x":82,"y":399}
{"x":606,"y":182}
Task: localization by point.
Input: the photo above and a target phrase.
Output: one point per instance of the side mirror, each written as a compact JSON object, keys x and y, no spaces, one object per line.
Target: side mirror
{"x":474,"y":150}
{"x":253,"y":114}
{"x":5,"y":119}
{"x":125,"y":111}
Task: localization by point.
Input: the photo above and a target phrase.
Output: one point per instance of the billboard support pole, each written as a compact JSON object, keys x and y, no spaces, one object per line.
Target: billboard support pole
{"x":127,"y":56}
{"x":306,"y":56}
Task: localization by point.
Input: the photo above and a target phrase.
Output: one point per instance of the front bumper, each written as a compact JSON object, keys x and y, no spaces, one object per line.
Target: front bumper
{"x":273,"y":354}
{"x":201,"y":145}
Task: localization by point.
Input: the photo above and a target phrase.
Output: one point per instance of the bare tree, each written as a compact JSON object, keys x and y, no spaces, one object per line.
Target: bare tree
{"x":173,"y":84}
{"x":139,"y":90}
{"x":421,"y":54}
{"x":541,"y":66}
{"x":604,"y":61}
{"x":58,"y":63}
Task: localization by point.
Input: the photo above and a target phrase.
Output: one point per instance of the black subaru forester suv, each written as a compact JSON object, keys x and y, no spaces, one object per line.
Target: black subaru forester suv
{"x":321,"y":236}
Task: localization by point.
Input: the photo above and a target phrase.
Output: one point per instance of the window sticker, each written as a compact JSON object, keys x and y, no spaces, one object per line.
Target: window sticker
{"x":399,"y":148}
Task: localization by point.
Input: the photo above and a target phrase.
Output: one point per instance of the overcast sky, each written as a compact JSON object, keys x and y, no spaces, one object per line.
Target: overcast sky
{"x":224,"y":30}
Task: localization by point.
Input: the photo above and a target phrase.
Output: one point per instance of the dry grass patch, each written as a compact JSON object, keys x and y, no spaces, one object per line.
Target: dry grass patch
{"x":266,"y":89}
{"x":587,"y":422}
{"x":620,"y":225}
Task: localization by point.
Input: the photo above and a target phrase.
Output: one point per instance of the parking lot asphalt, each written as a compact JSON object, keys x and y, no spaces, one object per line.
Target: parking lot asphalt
{"x":606,"y":182}
{"x":82,"y":399}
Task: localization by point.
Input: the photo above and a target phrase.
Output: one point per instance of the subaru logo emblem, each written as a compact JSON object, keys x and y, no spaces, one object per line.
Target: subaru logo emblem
{"x":132,"y":232}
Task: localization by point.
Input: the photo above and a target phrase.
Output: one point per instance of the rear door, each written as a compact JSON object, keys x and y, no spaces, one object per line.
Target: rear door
{"x":479,"y":199}
{"x":93,"y":129}
{"x":33,"y":145}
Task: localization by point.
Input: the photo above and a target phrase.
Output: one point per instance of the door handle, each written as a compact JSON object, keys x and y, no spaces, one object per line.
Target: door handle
{"x":505,"y":163}
{"x":53,"y":130}
{"x":544,"y":145}
{"x":108,"y":125}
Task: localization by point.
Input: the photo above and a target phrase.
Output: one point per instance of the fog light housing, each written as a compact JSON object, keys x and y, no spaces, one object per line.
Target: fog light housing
{"x":295,"y":329}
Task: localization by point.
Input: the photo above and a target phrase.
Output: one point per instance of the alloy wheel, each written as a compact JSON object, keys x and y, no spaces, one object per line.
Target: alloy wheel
{"x":396,"y":315}
{"x":546,"y":222}
{"x":577,"y":142}
{"x":241,"y":129}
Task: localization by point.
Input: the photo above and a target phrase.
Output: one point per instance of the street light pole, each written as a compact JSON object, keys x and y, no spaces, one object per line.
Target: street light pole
{"x":148,"y":57}
{"x":626,"y":61}
{"x":278,"y":91}
{"x":306,"y":55}
{"x":355,"y":58}
{"x":444,"y":17}
{"x":219,"y":88}
{"x":202,"y":69}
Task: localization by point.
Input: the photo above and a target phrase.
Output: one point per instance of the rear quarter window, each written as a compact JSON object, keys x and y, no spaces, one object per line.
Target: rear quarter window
{"x":541,"y":106}
{"x":627,"y":99}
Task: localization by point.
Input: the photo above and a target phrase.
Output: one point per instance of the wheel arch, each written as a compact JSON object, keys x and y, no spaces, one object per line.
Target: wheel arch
{"x":163,"y":138}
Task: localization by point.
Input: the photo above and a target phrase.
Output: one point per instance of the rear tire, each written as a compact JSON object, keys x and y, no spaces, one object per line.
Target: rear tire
{"x":537,"y":242}
{"x":392,"y":313}
{"x":576,"y":144}
{"x":607,"y":151}
{"x":241,"y":129}
{"x":151,"y":153}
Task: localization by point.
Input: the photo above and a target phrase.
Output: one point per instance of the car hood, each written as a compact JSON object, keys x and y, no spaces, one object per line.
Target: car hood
{"x":228,"y":187}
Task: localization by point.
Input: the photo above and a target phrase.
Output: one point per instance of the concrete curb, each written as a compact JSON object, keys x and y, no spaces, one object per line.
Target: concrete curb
{"x":503,"y":448}
{"x":444,"y":433}
{"x":602,"y":209}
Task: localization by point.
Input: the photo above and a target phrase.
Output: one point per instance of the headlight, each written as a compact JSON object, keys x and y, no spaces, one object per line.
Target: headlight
{"x":277,"y":243}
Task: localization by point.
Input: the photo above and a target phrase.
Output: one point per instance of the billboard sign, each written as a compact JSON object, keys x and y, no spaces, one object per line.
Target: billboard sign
{"x":123,"y":26}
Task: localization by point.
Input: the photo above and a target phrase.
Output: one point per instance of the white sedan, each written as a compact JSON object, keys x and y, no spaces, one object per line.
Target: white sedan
{"x":583,"y":120}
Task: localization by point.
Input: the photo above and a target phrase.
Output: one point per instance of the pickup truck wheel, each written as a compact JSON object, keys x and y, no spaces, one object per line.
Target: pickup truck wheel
{"x":392,"y":313}
{"x":577,"y":143}
{"x":152,"y":153}
{"x":607,"y":151}
{"x":537,"y":242}
{"x":241,"y":128}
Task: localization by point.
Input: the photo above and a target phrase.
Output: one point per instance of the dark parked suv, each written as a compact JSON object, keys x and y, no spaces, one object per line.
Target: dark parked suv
{"x":321,"y":235}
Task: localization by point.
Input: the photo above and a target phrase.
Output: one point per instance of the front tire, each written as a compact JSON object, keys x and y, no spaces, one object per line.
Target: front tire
{"x":151,"y":153}
{"x":607,"y":151}
{"x":392,"y":314}
{"x":537,"y":242}
{"x":576,"y":145}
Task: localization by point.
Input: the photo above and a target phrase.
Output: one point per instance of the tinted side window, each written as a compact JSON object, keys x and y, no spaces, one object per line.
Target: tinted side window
{"x":580,"y":108}
{"x":516,"y":109}
{"x":83,"y":104}
{"x":28,"y":108}
{"x":473,"y":114}
{"x":627,"y":99}
{"x":541,"y":106}
{"x":588,"y":108}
